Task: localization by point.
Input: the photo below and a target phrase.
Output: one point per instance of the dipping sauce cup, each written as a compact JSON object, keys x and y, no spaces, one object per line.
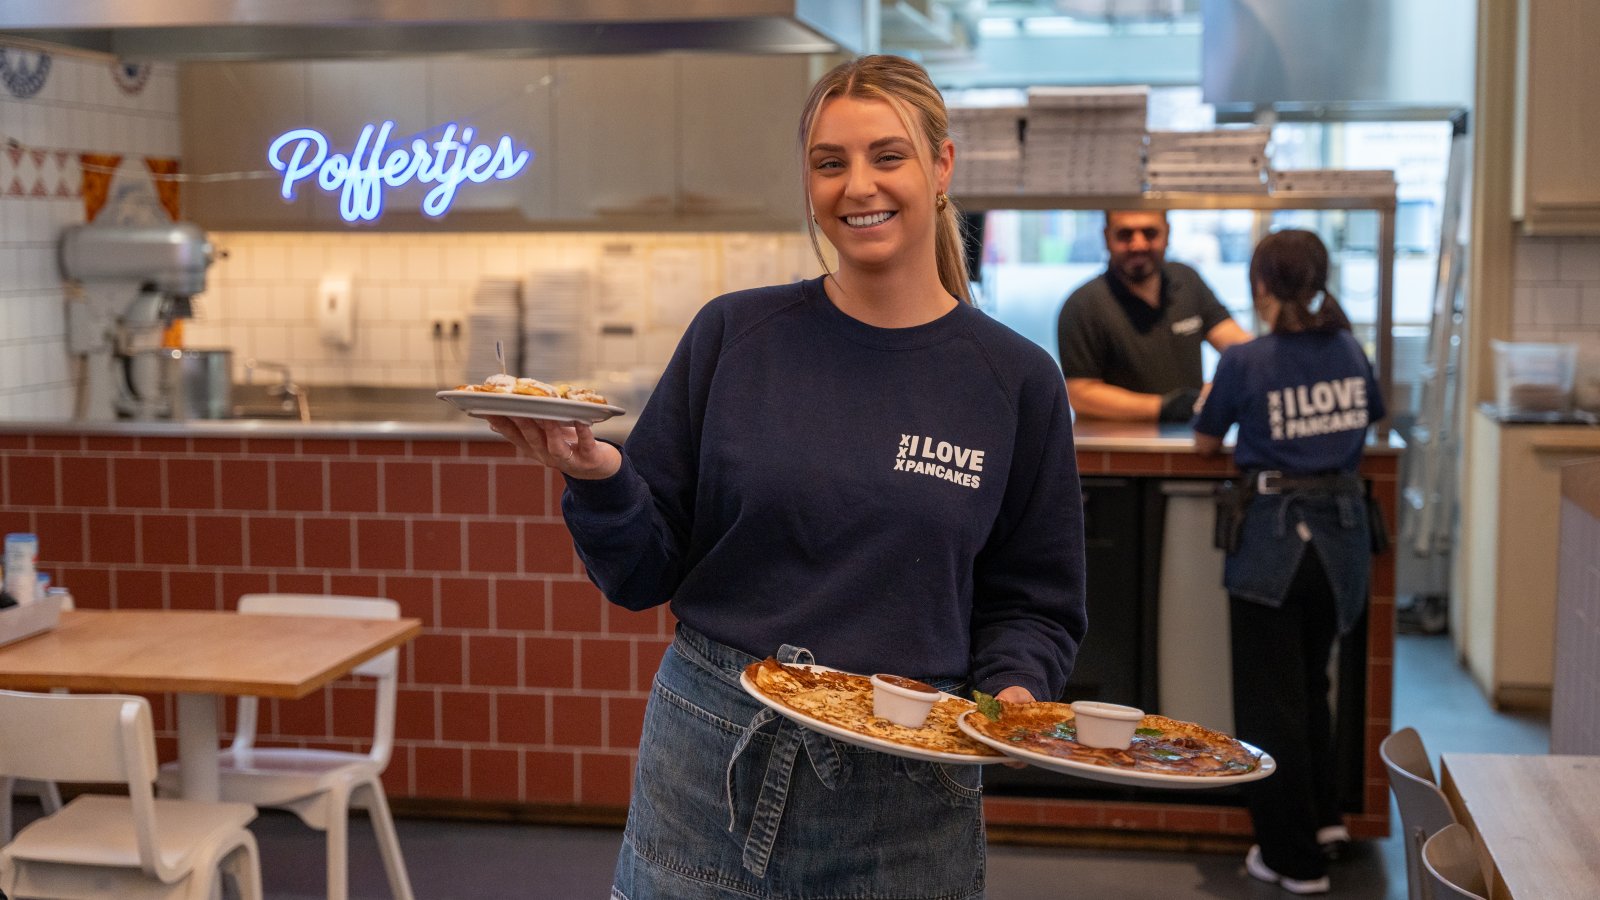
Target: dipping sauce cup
{"x":903,"y":701}
{"x":1105,"y":724}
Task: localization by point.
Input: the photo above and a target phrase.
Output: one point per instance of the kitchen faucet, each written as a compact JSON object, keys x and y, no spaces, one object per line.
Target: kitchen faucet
{"x":294,"y":396}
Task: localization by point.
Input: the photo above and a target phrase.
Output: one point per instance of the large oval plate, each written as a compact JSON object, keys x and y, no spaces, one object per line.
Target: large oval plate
{"x":1118,"y":776}
{"x":857,"y":738}
{"x":493,"y":403}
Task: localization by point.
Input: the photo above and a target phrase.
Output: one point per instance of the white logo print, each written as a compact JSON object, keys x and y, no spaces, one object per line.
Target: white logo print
{"x":941,"y":459}
{"x":1321,"y":408}
{"x":1186,"y":326}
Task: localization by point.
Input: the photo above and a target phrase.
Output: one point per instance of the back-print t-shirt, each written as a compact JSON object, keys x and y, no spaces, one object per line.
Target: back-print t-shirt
{"x":1302,"y":402}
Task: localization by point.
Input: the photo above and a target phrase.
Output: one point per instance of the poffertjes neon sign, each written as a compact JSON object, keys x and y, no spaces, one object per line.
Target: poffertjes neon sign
{"x":361,"y":177}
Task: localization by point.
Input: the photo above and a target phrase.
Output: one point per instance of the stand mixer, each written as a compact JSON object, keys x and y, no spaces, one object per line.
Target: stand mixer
{"x":126,"y":368}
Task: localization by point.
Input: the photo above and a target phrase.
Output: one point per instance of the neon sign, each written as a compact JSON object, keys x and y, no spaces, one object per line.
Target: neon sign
{"x":361,"y":177}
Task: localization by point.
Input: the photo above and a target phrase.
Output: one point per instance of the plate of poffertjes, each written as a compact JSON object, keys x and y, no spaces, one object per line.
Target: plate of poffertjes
{"x":1165,"y":753}
{"x":530,"y":398}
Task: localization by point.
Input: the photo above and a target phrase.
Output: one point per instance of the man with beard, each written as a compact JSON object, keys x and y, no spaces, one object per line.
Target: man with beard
{"x":1130,"y":339}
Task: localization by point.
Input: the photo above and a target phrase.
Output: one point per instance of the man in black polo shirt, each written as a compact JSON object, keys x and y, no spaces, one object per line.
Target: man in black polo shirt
{"x":1130,"y":339}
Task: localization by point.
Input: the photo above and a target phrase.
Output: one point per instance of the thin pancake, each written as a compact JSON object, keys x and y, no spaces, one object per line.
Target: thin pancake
{"x":1161,"y":745}
{"x":845,"y":701}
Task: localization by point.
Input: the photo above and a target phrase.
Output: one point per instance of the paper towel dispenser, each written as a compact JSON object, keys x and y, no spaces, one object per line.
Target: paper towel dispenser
{"x":336,"y":311}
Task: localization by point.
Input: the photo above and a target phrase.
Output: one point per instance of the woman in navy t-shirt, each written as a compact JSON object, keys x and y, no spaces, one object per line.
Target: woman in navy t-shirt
{"x":1296,"y":573}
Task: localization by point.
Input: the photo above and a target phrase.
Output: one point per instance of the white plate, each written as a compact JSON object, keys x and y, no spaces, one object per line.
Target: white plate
{"x":490,"y":403}
{"x":1118,"y":776}
{"x":856,"y":737}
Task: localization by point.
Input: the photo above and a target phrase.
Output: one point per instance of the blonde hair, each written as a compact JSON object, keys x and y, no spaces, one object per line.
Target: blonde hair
{"x":905,"y":86}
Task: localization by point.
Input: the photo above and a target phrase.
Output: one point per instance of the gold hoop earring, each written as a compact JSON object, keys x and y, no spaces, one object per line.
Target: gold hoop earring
{"x":941,"y":201}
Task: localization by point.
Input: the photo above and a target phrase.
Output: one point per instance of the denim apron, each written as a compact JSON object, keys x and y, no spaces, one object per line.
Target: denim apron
{"x":1277,"y":529}
{"x":731,"y":800}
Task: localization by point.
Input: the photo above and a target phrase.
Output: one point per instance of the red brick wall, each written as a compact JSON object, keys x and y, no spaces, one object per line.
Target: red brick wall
{"x":525,"y":686}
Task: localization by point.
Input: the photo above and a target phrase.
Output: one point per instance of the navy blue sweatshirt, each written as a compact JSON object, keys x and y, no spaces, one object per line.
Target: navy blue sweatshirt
{"x":896,"y":500}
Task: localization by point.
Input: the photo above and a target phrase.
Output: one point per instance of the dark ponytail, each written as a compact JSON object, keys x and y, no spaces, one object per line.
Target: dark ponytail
{"x":1292,"y":266}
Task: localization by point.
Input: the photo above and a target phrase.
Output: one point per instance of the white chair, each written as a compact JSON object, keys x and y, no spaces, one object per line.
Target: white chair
{"x":320,"y":786}
{"x":1452,"y":863}
{"x":47,"y":793}
{"x":132,"y":848}
{"x":1423,"y":807}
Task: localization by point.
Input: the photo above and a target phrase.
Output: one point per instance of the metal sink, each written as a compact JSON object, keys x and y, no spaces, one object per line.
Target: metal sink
{"x":347,"y":403}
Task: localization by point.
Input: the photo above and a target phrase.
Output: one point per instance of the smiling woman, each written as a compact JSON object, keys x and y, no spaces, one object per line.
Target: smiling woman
{"x":878,"y":159}
{"x":860,"y":471}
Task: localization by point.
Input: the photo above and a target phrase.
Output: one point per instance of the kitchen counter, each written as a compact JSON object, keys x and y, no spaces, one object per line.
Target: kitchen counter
{"x":526,"y":687}
{"x":1504,"y":607}
{"x":1090,"y":435}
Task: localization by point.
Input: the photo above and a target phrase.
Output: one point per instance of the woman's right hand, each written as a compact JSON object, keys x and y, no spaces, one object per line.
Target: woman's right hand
{"x":569,"y":447}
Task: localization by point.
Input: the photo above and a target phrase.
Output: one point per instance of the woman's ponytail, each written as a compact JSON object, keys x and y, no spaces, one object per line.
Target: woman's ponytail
{"x":1292,"y":266}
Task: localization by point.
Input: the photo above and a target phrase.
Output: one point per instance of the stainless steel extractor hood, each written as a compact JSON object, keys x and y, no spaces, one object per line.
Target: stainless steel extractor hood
{"x":312,"y":29}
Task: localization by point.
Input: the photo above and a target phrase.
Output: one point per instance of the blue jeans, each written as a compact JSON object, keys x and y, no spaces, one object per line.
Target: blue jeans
{"x":732,"y":801}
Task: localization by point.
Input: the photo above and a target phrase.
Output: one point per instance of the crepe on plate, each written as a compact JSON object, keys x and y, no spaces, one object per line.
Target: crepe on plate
{"x":1160,"y":745}
{"x":845,"y":701}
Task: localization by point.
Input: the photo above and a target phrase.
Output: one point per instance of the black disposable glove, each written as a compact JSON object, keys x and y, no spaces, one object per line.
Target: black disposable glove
{"x":1178,"y":405}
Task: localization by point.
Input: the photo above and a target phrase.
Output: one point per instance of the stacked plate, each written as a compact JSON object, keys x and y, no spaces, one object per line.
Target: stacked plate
{"x":495,"y":315}
{"x":1227,"y":161}
{"x":1085,"y":140}
{"x":1334,"y":182}
{"x":556,"y":303}
{"x":990,"y":142}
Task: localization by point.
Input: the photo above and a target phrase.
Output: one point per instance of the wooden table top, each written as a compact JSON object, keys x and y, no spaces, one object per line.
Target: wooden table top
{"x":180,"y":651}
{"x":1536,"y":817}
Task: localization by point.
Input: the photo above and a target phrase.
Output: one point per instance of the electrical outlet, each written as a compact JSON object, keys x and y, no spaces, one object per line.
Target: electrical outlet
{"x":444,"y":324}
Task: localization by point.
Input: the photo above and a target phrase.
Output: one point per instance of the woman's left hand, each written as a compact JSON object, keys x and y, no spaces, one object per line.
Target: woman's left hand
{"x":1015,"y":694}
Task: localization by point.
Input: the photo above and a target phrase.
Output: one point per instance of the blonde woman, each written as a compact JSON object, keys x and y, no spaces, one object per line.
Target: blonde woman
{"x":864,"y":466}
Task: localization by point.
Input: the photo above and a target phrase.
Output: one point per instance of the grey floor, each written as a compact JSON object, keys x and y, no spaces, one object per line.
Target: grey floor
{"x":452,"y":860}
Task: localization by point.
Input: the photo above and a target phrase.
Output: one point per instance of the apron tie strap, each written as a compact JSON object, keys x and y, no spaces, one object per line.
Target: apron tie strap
{"x":827,"y":762}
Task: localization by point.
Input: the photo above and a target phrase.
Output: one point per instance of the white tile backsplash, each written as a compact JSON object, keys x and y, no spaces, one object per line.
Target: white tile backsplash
{"x":266,"y":294}
{"x":1556,"y":304}
{"x":1579,"y":261}
{"x":79,"y":109}
{"x":1556,"y":291}
{"x":400,"y":302}
{"x":1589,"y":306}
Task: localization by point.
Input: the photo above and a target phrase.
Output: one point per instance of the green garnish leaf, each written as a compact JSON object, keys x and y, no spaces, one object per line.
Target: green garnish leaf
{"x":1147,"y":732}
{"x":987,"y":705}
{"x":1066,"y":730}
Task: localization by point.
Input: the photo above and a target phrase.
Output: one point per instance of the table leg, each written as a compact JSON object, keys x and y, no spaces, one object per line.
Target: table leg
{"x":197,"y":746}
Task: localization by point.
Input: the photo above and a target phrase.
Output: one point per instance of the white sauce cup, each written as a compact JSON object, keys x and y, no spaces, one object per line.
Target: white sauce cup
{"x":903,"y":701}
{"x":1105,"y":724}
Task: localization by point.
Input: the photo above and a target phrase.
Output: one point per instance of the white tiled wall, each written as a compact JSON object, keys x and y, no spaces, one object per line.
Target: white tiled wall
{"x":260,"y":299}
{"x":79,"y":109}
{"x":1557,"y":290}
{"x":1557,"y":299}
